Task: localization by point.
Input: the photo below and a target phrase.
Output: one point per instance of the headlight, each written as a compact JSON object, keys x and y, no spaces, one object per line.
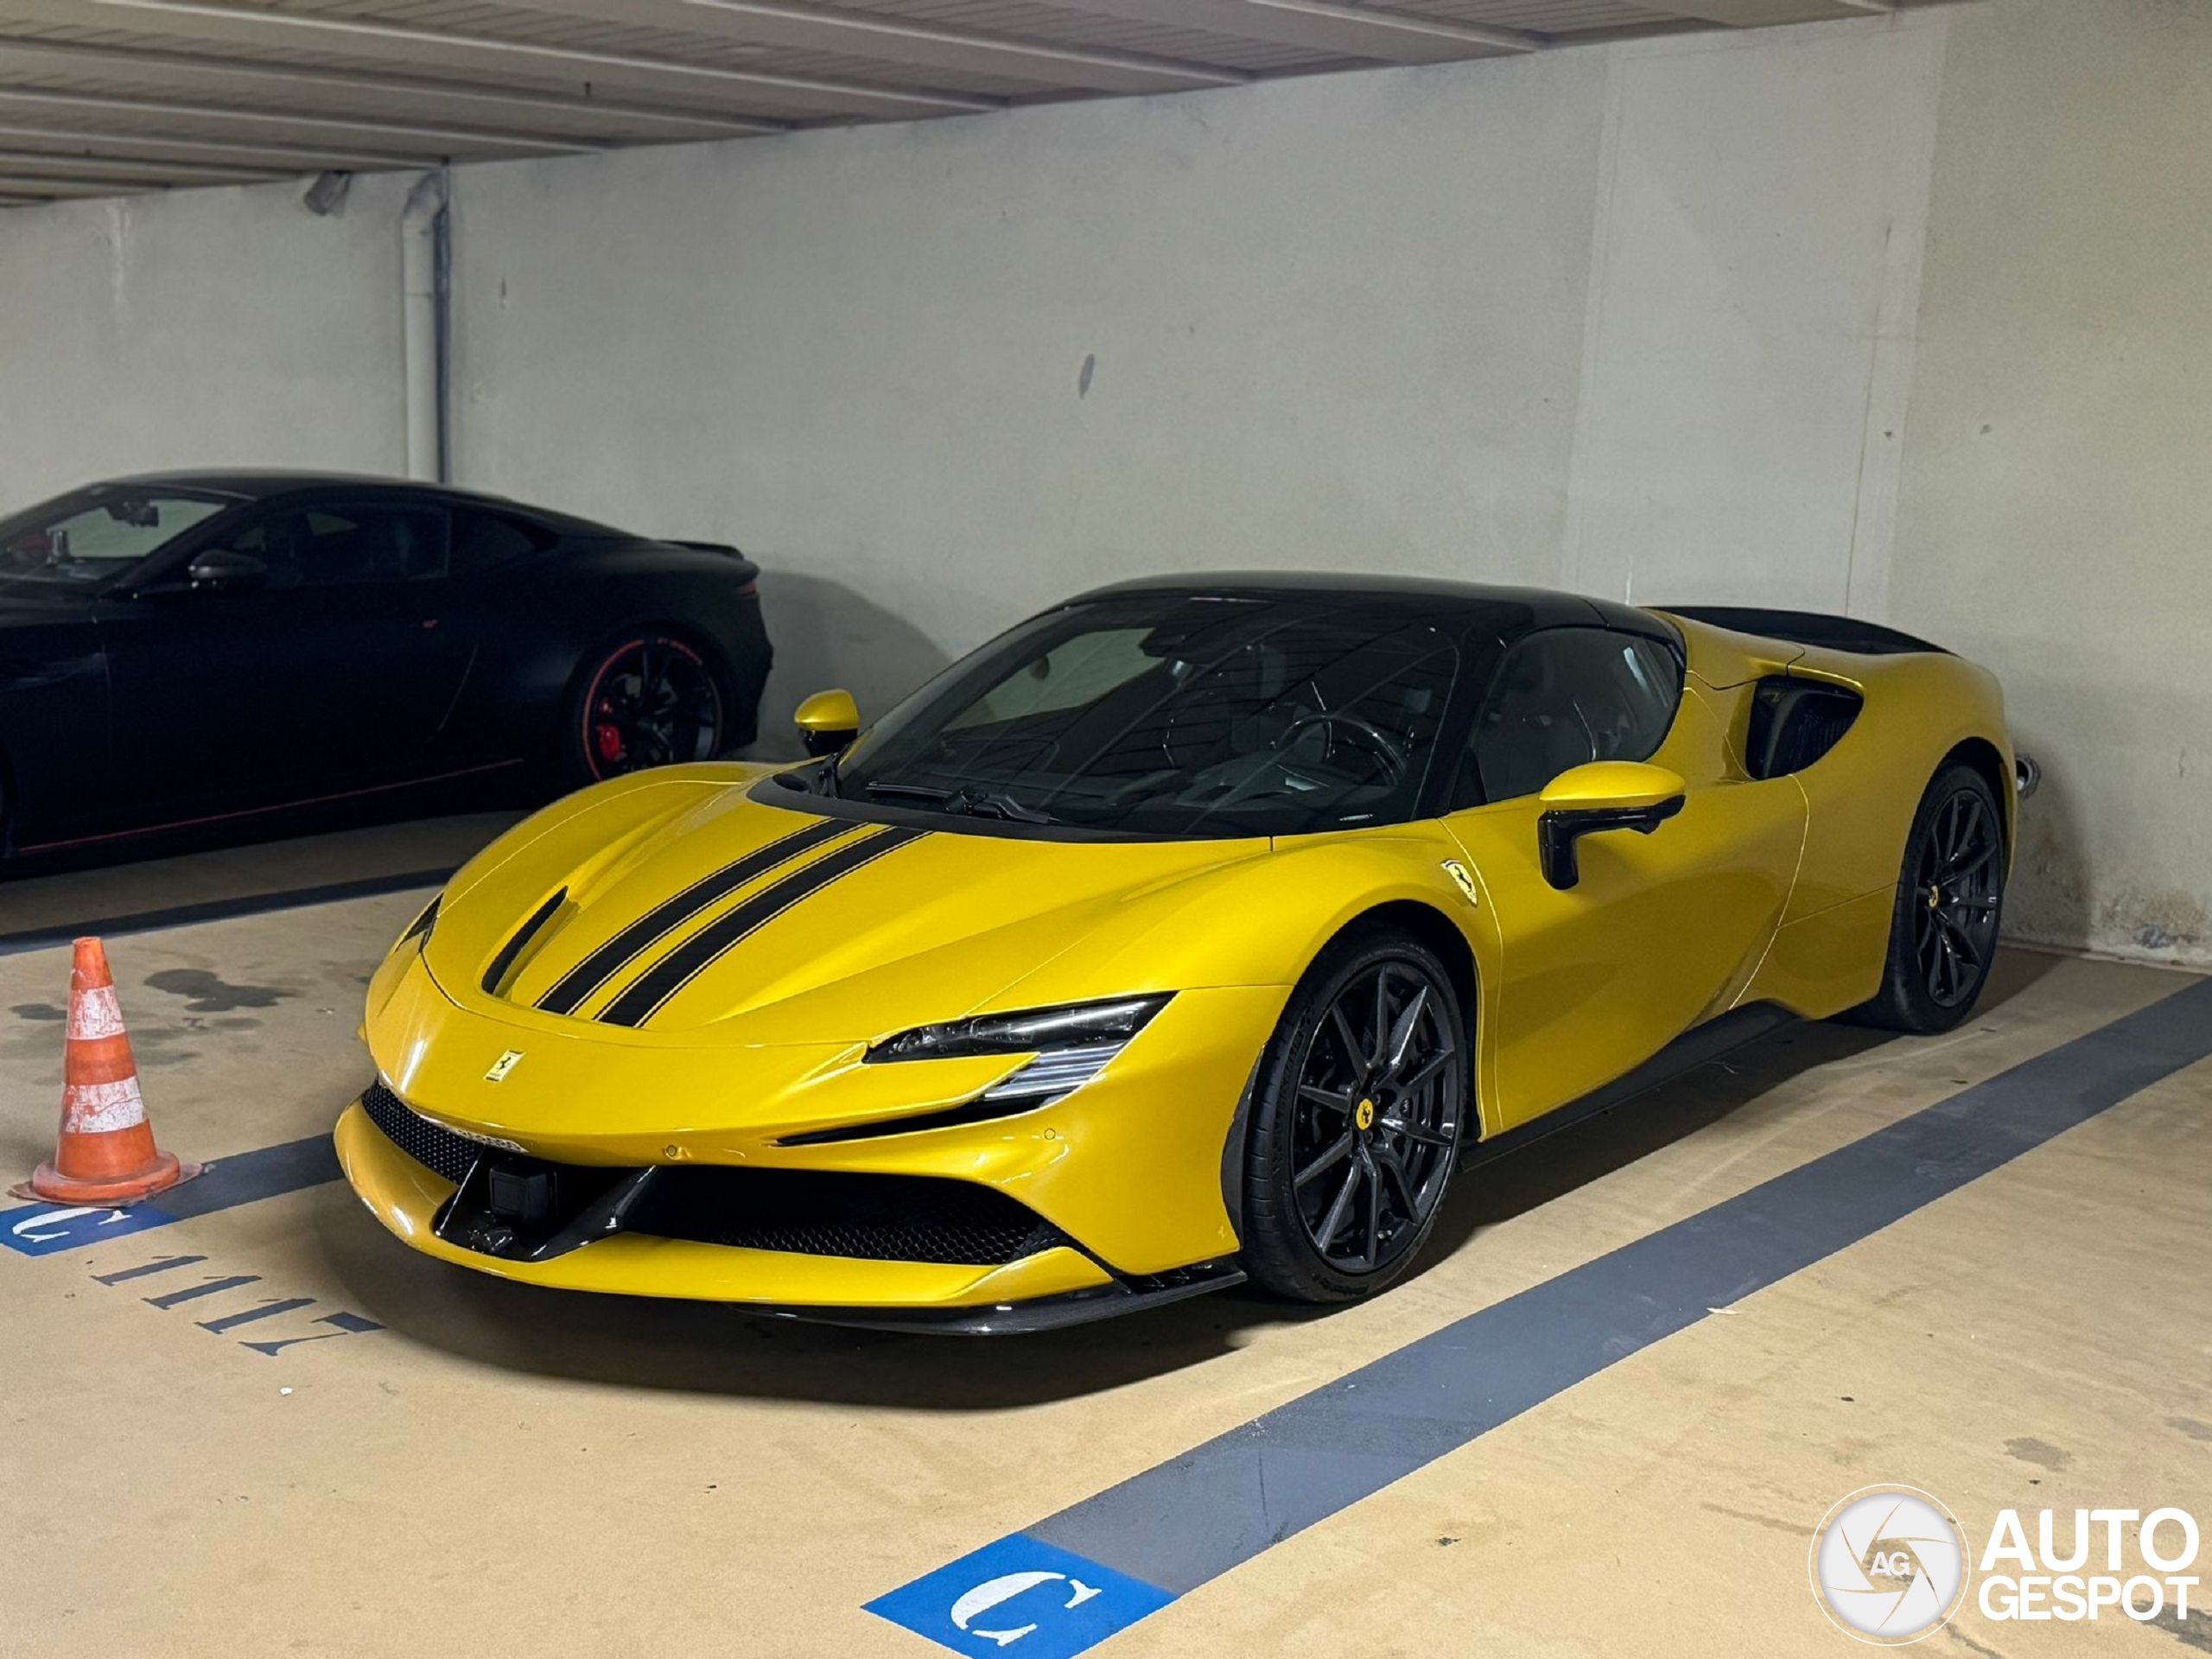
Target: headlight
{"x":1079,"y":1024}
{"x":1073,"y":1044}
{"x":419,"y":929}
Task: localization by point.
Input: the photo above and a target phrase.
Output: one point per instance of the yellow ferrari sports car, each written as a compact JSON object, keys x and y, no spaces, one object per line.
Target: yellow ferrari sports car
{"x":1189,"y":933}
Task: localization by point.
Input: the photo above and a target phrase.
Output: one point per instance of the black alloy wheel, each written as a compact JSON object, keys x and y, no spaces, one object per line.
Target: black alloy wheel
{"x":652,"y":700}
{"x":1956,"y":896}
{"x":1950,"y":901}
{"x":1360,"y":1113}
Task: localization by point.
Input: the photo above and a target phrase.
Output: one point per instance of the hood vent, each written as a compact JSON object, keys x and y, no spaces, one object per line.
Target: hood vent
{"x":502,"y":970}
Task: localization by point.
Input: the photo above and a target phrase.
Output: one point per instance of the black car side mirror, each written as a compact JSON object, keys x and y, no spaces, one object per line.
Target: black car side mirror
{"x":222,"y":570}
{"x":1596,"y":797}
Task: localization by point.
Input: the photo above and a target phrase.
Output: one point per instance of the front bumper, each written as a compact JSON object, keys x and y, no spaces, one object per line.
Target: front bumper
{"x":408,"y":1197}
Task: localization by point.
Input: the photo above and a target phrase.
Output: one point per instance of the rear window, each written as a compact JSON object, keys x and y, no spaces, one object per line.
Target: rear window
{"x":483,"y":541}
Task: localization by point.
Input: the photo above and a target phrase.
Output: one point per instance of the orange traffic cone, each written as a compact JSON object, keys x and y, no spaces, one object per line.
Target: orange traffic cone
{"x":106,"y":1153}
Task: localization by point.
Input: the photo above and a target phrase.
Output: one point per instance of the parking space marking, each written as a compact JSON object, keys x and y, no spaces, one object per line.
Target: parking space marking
{"x":1186,"y":1520}
{"x":341,"y":1323}
{"x":222,"y":909}
{"x":266,"y":1173}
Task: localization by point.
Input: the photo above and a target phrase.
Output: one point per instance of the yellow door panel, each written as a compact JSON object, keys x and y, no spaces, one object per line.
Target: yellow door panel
{"x":1659,"y":931}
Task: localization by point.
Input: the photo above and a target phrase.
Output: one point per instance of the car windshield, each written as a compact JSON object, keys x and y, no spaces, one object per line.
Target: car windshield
{"x":92,"y":534}
{"x":1176,"y":716}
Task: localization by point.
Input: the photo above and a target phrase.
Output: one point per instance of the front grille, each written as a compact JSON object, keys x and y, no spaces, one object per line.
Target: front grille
{"x":802,"y":1212}
{"x":437,"y":1149}
{"x":825,"y":1212}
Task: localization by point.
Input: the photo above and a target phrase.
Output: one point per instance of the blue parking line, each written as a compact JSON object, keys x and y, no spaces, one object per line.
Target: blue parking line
{"x":220,"y":910}
{"x":1160,"y":1534}
{"x":49,"y":1229}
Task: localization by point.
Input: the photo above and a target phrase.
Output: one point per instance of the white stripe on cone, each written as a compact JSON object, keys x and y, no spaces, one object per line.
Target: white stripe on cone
{"x":99,"y":1108}
{"x":95,"y":1014}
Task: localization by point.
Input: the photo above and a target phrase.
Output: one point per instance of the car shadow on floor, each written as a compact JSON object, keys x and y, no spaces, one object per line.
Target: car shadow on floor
{"x":645,"y":1343}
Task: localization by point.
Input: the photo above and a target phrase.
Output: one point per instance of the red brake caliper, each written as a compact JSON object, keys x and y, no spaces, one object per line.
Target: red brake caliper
{"x":607,"y":736}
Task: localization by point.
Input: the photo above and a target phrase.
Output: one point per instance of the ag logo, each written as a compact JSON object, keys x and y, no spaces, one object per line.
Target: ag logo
{"x":984,"y":1596}
{"x":1888,"y":1565}
{"x":504,"y":1064}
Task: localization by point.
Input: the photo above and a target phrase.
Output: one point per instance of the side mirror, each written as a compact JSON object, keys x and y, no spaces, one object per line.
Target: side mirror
{"x":1604,"y":795}
{"x":827,"y":721}
{"x":220,"y":570}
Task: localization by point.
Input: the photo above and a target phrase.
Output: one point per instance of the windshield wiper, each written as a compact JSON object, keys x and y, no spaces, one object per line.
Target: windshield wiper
{"x":967,"y":800}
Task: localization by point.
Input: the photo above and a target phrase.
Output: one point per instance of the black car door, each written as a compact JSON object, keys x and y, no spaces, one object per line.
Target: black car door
{"x":330,"y":667}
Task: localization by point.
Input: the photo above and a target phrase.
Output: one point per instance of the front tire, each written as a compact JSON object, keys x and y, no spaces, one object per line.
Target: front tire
{"x":1358,"y":1111}
{"x":1950,"y":900}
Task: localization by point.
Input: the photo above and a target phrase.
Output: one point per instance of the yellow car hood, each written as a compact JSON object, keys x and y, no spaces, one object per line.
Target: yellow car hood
{"x":757,"y":922}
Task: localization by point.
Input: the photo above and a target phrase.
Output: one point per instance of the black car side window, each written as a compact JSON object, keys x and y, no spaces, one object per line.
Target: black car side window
{"x":482,"y":541}
{"x":1563,"y":697}
{"x":331,"y":546}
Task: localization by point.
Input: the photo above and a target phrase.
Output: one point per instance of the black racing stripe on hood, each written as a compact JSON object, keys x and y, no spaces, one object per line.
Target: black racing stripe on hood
{"x":651,"y":989}
{"x":664,"y":919}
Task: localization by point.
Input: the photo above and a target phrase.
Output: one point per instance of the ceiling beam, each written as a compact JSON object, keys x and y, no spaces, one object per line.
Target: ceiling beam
{"x":186,"y":72}
{"x":399,"y":43}
{"x":35,"y":163}
{"x":891,"y":39}
{"x":61,"y":190}
{"x":1322,"y":26}
{"x":284,"y":158}
{"x":432,"y":142}
{"x":1759,"y":14}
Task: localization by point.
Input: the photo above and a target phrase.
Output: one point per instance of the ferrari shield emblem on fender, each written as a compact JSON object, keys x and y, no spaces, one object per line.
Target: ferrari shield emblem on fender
{"x":504,"y":1064}
{"x":1463,"y":879}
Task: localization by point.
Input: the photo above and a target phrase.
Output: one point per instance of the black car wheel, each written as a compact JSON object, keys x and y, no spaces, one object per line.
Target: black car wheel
{"x":1950,"y":898}
{"x":1359,"y":1111}
{"x":648,"y":700}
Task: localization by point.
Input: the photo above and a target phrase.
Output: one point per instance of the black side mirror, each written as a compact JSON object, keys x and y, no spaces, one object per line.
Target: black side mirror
{"x":222,"y":570}
{"x":1594,"y":798}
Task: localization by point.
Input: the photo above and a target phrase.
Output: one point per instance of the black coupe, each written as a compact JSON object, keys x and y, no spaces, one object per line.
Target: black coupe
{"x":190,"y":647}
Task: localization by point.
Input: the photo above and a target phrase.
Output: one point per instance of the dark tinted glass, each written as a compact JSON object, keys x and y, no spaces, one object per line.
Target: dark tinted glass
{"x":483,"y":540}
{"x":92,"y":534}
{"x":1566,"y":696}
{"x":330,"y":546}
{"x":1175,"y":716}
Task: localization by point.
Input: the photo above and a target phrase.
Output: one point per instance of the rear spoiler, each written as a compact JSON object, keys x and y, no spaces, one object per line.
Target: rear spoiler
{"x":1815,"y":628}
{"x":704,"y":547}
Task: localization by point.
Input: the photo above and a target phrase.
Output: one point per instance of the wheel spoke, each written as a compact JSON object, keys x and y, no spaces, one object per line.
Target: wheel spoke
{"x":1353,"y":1052}
{"x":1394,"y":1167}
{"x":1961,"y":945}
{"x":1340,"y":1210}
{"x":1377,"y":1060}
{"x":1425,"y":1074}
{"x":1412,"y":1131}
{"x":1973,"y":859}
{"x":1373,"y":1252}
{"x":1336,"y":1101}
{"x":1337,"y":1153}
{"x":1401,"y":1034}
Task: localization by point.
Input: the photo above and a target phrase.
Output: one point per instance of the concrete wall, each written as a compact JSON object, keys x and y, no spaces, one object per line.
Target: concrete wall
{"x":2055,"y":519}
{"x":201,"y":329}
{"x":1904,"y":317}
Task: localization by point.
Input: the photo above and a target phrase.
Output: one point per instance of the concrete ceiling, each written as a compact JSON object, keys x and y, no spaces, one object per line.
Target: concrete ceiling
{"x":104,"y":98}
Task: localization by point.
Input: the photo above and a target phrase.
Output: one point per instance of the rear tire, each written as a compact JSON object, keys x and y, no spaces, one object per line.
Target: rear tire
{"x":1949,"y":902}
{"x":647,"y":698}
{"x":1357,"y":1114}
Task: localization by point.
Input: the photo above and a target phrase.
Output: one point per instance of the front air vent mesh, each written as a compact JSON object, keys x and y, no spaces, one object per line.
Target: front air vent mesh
{"x":824,"y":1212}
{"x":437,"y":1149}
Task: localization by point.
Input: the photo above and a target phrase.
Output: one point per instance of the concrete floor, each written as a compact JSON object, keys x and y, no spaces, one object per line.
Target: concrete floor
{"x":517,"y":1470}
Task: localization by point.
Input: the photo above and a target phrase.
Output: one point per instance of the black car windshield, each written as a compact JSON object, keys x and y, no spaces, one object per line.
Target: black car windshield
{"x":90,"y":534}
{"x":1174,"y":716}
